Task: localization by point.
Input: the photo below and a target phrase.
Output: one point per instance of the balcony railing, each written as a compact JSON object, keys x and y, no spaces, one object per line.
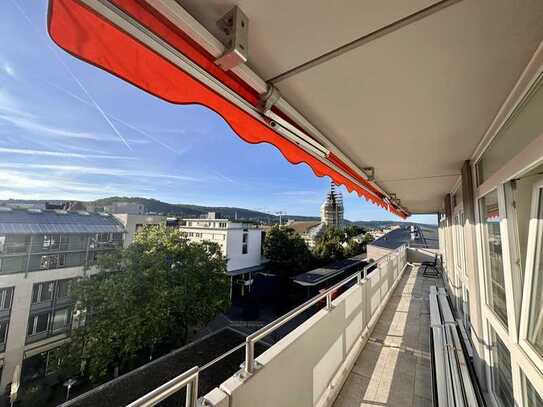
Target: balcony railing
{"x":334,"y":335}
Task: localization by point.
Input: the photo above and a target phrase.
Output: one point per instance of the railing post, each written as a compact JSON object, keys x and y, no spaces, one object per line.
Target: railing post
{"x":188,"y":395}
{"x":329,"y":305}
{"x":194,"y":391}
{"x":249,"y":356}
{"x":359,"y":277}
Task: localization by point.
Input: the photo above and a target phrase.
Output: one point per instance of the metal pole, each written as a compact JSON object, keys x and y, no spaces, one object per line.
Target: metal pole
{"x":249,"y":356}
{"x":329,"y":305}
{"x":188,"y":395}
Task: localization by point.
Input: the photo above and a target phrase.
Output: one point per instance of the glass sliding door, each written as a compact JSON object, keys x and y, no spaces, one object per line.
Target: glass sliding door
{"x":492,"y":248}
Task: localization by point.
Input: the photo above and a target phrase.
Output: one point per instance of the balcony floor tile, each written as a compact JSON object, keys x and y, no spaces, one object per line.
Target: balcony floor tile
{"x":394,"y":367}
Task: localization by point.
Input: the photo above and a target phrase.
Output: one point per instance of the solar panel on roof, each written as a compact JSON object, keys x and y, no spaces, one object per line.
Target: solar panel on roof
{"x":25,"y":222}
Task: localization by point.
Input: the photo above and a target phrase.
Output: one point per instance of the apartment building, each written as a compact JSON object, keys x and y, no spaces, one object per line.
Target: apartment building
{"x":241,"y":244}
{"x":41,"y":252}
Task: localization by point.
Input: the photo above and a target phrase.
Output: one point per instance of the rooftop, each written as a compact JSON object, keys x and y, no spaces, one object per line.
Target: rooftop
{"x":38,"y":221}
{"x":130,"y":386}
{"x":321,"y":274}
{"x":402,"y":235}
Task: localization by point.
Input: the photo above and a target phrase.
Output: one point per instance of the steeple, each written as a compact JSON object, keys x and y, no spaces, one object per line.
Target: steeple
{"x":332,"y":208}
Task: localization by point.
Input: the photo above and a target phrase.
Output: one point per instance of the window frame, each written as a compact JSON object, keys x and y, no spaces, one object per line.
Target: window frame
{"x":511,"y":327}
{"x":534,"y":229}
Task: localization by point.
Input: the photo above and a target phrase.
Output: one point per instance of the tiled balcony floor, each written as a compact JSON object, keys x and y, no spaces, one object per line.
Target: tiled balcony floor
{"x":394,"y":367}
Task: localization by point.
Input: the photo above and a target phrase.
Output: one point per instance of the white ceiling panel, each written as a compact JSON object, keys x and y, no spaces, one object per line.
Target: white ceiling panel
{"x":413,"y":104}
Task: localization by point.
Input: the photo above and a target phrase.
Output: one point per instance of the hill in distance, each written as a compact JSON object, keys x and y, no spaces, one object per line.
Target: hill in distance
{"x":195,"y":211}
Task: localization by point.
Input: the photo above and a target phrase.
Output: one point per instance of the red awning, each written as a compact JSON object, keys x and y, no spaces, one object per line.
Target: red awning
{"x":87,"y":35}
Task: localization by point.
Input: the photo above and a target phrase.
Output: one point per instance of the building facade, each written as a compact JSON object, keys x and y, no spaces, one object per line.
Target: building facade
{"x":241,"y":243}
{"x":41,"y":253}
{"x":490,"y":233}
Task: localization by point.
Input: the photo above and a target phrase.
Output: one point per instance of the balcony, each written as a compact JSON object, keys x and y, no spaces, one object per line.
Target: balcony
{"x":369,"y":346}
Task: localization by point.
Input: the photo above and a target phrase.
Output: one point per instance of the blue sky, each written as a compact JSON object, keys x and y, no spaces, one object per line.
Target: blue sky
{"x":71,"y":131}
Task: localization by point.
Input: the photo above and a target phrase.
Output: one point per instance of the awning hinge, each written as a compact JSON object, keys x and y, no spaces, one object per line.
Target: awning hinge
{"x":269,"y":99}
{"x":234,"y":27}
{"x":370,"y":173}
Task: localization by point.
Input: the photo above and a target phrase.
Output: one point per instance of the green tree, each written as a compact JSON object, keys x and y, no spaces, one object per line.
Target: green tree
{"x":352,"y":231}
{"x":147,"y":294}
{"x":329,"y":246}
{"x":286,"y":251}
{"x":354,"y":248}
{"x":368,"y":238}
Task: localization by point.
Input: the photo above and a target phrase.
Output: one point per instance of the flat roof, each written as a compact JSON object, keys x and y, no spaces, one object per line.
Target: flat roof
{"x":138,"y":382}
{"x":321,"y":274}
{"x":397,"y":237}
{"x":25,"y":222}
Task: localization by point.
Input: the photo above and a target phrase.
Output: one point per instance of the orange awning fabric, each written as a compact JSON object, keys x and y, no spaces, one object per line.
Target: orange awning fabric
{"x":89,"y":36}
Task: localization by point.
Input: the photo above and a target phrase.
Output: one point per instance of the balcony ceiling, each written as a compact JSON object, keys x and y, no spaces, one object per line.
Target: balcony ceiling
{"x":414,"y":103}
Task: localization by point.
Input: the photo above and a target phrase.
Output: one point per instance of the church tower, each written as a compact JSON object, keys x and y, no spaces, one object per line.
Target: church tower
{"x":332,"y":208}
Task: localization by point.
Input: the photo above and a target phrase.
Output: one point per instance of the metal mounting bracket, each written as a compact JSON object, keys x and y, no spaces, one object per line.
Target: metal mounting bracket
{"x":269,"y":99}
{"x":370,"y":173}
{"x":234,"y":27}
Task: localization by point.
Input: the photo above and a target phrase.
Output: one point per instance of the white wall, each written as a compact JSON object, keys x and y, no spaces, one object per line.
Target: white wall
{"x":237,"y":260}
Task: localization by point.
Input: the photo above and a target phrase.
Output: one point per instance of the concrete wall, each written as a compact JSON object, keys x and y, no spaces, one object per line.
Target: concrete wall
{"x":376,"y":252}
{"x":321,"y":351}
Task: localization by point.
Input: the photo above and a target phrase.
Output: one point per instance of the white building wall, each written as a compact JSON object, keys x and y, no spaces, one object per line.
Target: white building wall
{"x":130,"y":223}
{"x":20,"y":311}
{"x":234,"y":243}
{"x":229,"y":236}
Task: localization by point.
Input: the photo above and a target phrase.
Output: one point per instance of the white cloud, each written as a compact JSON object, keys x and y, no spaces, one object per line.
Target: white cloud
{"x":115,"y":172}
{"x":24,"y":186}
{"x":8,"y":69}
{"x":22,"y":151}
{"x":33,"y":125}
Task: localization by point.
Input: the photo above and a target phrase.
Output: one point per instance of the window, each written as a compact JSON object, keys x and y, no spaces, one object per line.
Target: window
{"x":535,"y":276}
{"x":6,"y":294}
{"x":245,"y":242}
{"x":38,"y":323}
{"x":522,"y":127}
{"x":43,"y":292}
{"x":502,"y":380}
{"x":492,"y":243}
{"x":222,"y":224}
{"x":2,"y":243}
{"x":51,"y":242}
{"x":51,"y":261}
{"x":3,"y":332}
{"x":105,"y":237}
{"x":63,"y":288}
{"x":61,"y":319}
{"x":531,"y":398}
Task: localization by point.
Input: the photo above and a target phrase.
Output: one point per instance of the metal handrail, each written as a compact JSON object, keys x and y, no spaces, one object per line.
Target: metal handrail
{"x":249,"y":364}
{"x":189,"y":378}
